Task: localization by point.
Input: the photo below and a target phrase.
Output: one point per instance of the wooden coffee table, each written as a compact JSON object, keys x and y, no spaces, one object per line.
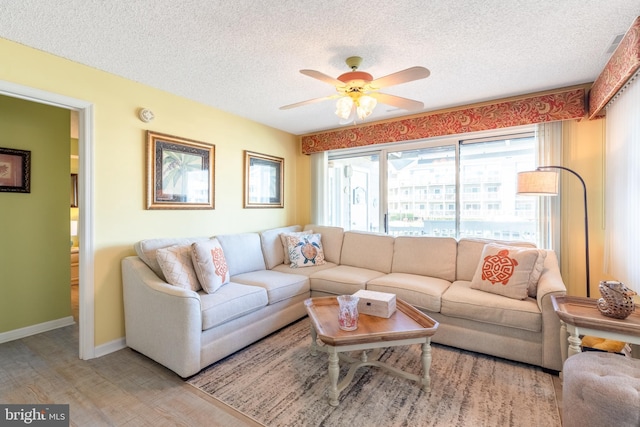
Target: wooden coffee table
{"x":406,"y":326}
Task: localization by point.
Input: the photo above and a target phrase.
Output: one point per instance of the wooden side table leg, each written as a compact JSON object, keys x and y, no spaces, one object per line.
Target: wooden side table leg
{"x":334,"y":371}
{"x":426,"y":365}
{"x":574,"y":342}
{"x":314,"y":342}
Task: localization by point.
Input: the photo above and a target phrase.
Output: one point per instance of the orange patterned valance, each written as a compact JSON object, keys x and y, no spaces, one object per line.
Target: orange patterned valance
{"x":548,"y":107}
{"x":623,"y":64}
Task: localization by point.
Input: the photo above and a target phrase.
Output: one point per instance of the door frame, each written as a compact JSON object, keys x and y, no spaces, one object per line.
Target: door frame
{"x":86,"y":307}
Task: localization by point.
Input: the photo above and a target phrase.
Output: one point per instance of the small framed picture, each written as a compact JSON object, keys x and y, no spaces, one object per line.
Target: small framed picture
{"x":15,"y":171}
{"x":73,"y":190}
{"x":263,"y":181}
{"x":180,"y":173}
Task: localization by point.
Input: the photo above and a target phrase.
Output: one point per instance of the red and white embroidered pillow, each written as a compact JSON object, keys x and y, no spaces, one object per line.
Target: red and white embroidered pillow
{"x":175,"y":263}
{"x":210,"y":264}
{"x":509,"y":271}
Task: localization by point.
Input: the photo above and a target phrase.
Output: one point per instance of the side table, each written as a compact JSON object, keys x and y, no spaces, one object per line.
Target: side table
{"x":580,"y":316}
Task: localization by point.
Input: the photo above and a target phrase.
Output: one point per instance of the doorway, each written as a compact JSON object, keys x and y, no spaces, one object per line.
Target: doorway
{"x":84,"y":109}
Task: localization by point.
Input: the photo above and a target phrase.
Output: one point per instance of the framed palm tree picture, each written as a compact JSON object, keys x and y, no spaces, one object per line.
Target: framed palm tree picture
{"x":180,"y":173}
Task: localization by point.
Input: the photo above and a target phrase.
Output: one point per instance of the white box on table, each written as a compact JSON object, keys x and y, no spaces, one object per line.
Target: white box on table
{"x":380,"y":304}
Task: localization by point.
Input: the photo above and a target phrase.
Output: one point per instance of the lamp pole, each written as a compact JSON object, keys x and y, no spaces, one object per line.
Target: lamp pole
{"x":586,"y":222}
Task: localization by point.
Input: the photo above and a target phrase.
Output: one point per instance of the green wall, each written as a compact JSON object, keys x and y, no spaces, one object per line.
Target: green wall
{"x":34,"y":227}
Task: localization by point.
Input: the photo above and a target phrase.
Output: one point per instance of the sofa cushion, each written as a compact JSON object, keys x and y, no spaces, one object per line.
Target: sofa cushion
{"x":425,"y":256}
{"x":146,"y":250}
{"x":210,"y":264}
{"x":305,"y":250}
{"x":343,"y":279}
{"x":370,"y":251}
{"x":176,"y":265}
{"x":272,"y":246}
{"x":231,"y":301}
{"x":331,"y":240}
{"x":509,"y":270}
{"x":459,"y":300}
{"x":307,"y":271}
{"x":243,"y":252}
{"x":420,"y":291}
{"x":469,"y":251}
{"x":279,"y":286}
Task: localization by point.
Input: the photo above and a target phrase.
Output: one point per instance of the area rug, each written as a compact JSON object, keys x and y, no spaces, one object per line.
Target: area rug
{"x":277,"y":382}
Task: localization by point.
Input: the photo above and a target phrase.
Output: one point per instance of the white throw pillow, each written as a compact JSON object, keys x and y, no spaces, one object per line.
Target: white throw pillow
{"x":509,"y":270}
{"x":210,"y":264}
{"x":285,"y":245}
{"x":305,"y":250}
{"x":176,"y":265}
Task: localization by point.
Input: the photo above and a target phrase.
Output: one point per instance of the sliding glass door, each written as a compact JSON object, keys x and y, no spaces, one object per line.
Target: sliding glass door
{"x":421,"y":192}
{"x":354,"y":192}
{"x":450,"y":188}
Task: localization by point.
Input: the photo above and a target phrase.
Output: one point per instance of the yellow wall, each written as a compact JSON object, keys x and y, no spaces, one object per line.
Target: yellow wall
{"x":583,"y":151}
{"x":119,"y":192}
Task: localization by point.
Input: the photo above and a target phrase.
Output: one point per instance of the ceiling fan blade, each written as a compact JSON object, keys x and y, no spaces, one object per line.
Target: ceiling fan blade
{"x":309,"y":101}
{"x":404,"y":76}
{"x":322,"y":77}
{"x":397,"y":101}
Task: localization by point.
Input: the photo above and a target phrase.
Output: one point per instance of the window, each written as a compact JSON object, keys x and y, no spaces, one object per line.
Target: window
{"x":445,"y":187}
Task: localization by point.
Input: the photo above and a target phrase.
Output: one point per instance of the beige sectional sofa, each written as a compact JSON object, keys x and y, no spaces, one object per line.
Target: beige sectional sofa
{"x":187,"y":330}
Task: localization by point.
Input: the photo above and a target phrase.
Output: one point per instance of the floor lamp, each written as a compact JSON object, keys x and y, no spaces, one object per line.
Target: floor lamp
{"x":543,"y":182}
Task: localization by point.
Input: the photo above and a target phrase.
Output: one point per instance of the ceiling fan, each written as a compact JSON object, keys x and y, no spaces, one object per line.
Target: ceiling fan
{"x":358,"y":91}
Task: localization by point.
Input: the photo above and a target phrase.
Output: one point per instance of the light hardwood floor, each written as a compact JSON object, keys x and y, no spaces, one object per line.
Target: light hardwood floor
{"x":123,"y":388}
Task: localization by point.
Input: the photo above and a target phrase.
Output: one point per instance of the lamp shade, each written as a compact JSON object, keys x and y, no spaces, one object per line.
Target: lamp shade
{"x":74,"y":228}
{"x":344,"y":107}
{"x":366,"y":104}
{"x":540,"y":183}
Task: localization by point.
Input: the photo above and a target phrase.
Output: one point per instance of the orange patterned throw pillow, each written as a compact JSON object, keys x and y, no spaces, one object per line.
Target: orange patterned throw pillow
{"x":509,"y":271}
{"x":210,"y":264}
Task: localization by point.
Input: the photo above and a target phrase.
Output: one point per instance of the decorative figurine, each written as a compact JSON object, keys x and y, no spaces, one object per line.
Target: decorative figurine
{"x":617,"y":299}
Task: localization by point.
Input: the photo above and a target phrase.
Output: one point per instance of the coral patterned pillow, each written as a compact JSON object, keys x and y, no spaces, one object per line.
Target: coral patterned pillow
{"x":509,"y":271}
{"x":210,"y":264}
{"x":283,"y":239}
{"x":305,"y":250}
{"x":175,"y":263}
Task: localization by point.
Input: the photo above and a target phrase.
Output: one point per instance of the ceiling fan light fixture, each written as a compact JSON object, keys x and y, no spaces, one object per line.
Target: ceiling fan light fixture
{"x":365,"y":104}
{"x":344,"y":105}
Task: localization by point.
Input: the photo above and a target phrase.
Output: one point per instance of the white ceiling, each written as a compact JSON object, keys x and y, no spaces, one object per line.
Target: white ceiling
{"x":244,"y":56}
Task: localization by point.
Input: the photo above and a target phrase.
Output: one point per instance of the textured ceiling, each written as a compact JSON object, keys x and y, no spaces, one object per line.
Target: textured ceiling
{"x":244,"y":56}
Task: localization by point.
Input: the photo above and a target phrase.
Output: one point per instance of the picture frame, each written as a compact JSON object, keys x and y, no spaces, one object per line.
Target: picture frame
{"x":73,"y":190}
{"x":180,"y":173}
{"x":15,"y":171}
{"x":263,"y":181}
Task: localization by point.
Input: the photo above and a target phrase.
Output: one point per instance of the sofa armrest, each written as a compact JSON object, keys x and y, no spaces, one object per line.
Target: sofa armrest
{"x":162,"y":321}
{"x":550,"y":283}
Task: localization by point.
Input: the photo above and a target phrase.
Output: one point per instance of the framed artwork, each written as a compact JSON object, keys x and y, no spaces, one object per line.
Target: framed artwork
{"x":263,"y":181}
{"x":180,"y":173}
{"x":15,"y":171}
{"x":73,"y":193}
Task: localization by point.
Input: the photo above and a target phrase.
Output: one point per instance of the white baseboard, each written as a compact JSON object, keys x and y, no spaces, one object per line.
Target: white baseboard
{"x":110,"y":347}
{"x":27,"y":331}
